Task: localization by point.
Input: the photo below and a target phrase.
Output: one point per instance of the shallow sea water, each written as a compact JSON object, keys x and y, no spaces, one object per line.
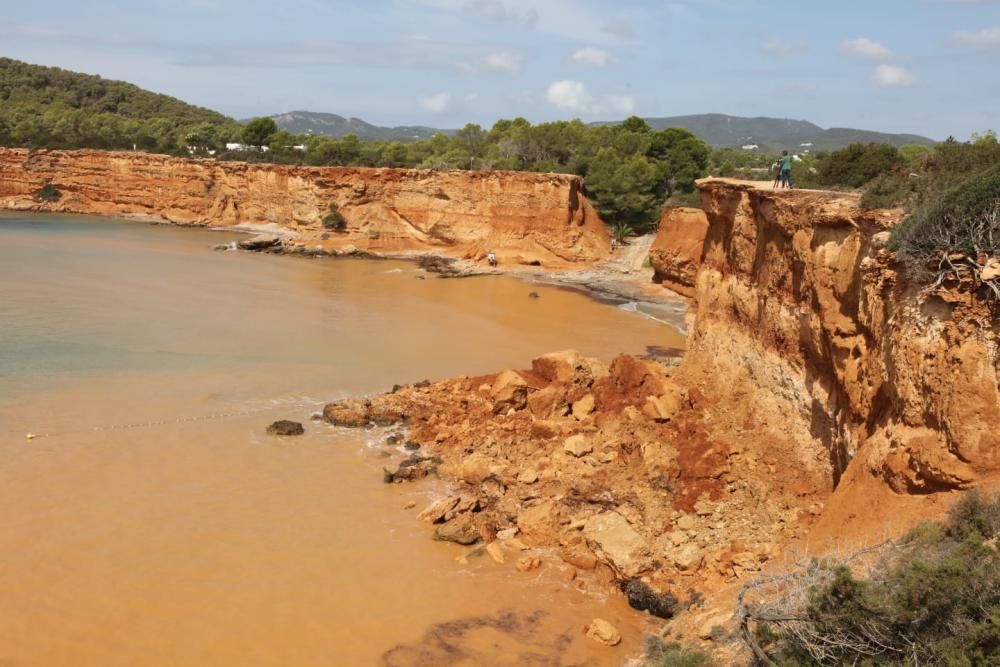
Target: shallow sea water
{"x":153,"y":522}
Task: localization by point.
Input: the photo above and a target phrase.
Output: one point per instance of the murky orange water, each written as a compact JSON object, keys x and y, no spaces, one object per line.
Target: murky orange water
{"x":154,"y":523}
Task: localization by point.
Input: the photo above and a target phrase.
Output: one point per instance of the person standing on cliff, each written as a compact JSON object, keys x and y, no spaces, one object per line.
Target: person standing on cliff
{"x":786,"y":170}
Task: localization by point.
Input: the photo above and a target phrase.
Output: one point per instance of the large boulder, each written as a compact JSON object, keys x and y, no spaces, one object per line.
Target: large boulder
{"x":352,"y":412}
{"x":603,"y":632}
{"x":460,"y":530}
{"x":259,"y":242}
{"x":549,"y":402}
{"x":615,"y":541}
{"x":359,"y":412}
{"x":567,"y":367}
{"x":509,"y":391}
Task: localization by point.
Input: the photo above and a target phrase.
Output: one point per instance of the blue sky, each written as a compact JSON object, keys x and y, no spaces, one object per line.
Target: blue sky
{"x":925,"y":66}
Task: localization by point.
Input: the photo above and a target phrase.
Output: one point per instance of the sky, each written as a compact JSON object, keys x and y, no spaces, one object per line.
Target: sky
{"x":929,"y":67}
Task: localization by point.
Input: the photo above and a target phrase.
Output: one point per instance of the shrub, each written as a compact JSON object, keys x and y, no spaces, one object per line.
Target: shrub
{"x":965,"y":219}
{"x":895,"y":189}
{"x":334,"y":220}
{"x":661,"y":654}
{"x":48,"y":193}
{"x":931,"y":598}
{"x":858,"y":163}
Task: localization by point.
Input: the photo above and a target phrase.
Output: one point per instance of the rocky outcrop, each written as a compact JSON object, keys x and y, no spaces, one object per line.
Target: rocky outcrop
{"x":524,"y":217}
{"x":676,"y":251}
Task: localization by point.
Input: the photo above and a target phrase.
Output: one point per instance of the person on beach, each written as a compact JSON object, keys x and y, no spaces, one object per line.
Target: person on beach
{"x":614,"y":244}
{"x":491,"y":258}
{"x":786,"y":170}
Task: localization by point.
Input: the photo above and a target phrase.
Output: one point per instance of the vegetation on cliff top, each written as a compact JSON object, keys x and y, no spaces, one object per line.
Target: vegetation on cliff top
{"x":630,"y":169}
{"x":932,"y":598}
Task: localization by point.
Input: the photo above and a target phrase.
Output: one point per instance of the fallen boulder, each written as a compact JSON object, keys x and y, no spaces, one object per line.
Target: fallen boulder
{"x":460,"y":530}
{"x":614,"y":540}
{"x":603,"y":632}
{"x":509,"y":391}
{"x":259,"y":242}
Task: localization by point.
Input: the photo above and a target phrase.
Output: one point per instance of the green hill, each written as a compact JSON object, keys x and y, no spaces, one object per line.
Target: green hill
{"x":56,"y":108}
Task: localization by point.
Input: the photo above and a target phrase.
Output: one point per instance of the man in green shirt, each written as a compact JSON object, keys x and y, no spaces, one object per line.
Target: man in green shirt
{"x":786,"y":170}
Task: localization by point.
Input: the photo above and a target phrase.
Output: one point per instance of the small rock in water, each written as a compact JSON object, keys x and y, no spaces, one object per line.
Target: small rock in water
{"x":534,"y":295}
{"x":316,"y":416}
{"x":460,"y":531}
{"x":603,"y":632}
{"x":414,"y":467}
{"x":285,"y":427}
{"x":411,"y":446}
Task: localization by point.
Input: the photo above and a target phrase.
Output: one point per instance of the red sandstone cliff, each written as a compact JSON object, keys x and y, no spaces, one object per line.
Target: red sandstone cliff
{"x":804,"y":327}
{"x":524,"y":217}
{"x":676,"y":251}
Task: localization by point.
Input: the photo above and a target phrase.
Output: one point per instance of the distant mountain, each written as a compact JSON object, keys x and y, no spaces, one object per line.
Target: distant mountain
{"x":719,"y":130}
{"x":776,"y":133}
{"x":330,"y":124}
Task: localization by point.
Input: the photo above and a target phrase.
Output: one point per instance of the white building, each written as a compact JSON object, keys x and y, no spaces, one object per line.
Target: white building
{"x":750,"y":147}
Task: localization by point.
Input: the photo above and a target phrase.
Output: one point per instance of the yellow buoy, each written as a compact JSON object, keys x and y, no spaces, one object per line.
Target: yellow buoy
{"x":30,"y":436}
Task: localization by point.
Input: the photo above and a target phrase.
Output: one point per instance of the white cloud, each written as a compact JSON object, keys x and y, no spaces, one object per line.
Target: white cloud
{"x":987,"y":38}
{"x":503,"y":61}
{"x":893,"y":76}
{"x":437,"y":102}
{"x":589,"y":55}
{"x":865,"y":48}
{"x":569,"y":95}
{"x":573,"y":96}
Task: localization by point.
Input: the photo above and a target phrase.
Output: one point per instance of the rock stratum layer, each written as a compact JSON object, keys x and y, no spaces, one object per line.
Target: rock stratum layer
{"x":523,"y":217}
{"x":822,"y":402}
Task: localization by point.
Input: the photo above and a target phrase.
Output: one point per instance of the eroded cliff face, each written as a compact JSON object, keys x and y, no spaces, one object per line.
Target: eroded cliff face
{"x":676,"y":251}
{"x":524,"y":217}
{"x":801,"y":320}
